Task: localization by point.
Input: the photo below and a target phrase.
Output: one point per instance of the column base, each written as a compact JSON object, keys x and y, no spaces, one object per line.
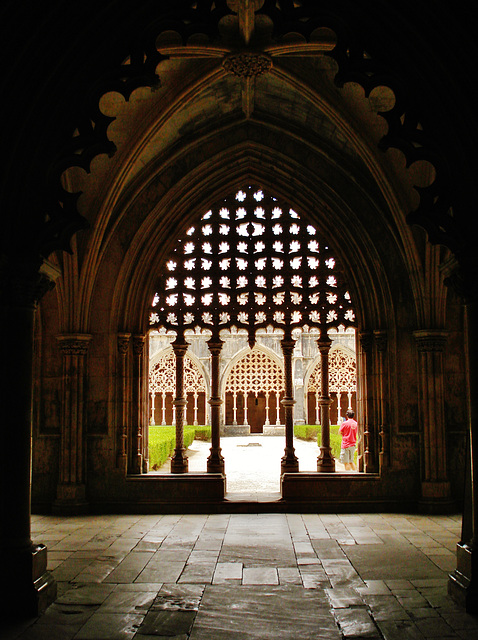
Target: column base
{"x":289,"y":464}
{"x":438,"y":490}
{"x":70,"y":500}
{"x":29,"y":587}
{"x":215,"y":462}
{"x":179,"y":461}
{"x":325,"y":461}
{"x":436,"y":498}
{"x":462,"y":583}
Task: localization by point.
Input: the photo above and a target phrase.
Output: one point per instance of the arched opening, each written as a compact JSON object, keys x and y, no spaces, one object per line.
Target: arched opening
{"x":254,"y":385}
{"x":253,"y":267}
{"x":342,"y":382}
{"x":408,"y":269}
{"x":162,"y":387}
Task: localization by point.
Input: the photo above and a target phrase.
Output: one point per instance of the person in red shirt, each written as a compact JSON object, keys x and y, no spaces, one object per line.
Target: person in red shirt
{"x":348,"y":431}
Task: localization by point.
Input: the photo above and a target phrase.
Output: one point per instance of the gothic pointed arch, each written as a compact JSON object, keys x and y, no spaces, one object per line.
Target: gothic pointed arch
{"x":255,"y":374}
{"x":242,"y":353}
{"x":342,"y":383}
{"x":162,"y":385}
{"x":251,"y":262}
{"x":331,"y":32}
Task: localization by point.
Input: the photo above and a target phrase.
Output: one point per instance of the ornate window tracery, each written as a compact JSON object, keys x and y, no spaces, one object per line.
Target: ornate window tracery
{"x":251,"y":262}
{"x":255,"y":374}
{"x":162,"y":384}
{"x":342,"y":381}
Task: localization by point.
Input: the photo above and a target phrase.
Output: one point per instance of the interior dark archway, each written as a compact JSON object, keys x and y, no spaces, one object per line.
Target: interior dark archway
{"x":62,"y":127}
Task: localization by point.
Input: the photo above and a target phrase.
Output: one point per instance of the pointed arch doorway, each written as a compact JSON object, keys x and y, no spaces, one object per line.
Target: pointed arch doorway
{"x":253,"y":391}
{"x":251,"y":263}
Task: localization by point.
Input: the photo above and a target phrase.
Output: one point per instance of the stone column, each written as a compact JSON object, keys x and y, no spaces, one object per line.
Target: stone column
{"x":71,"y":489}
{"x":215,"y":462}
{"x":325,"y":461}
{"x":151,"y":420}
{"x":382,"y":372}
{"x":368,"y":448}
{"x":124,"y":340}
{"x":431,"y":344}
{"x":267,"y":421}
{"x":179,"y":461}
{"x":195,"y":421}
{"x":234,"y":407}
{"x":277,"y":408}
{"x":137,"y":405}
{"x":289,"y":462}
{"x":28,"y":587}
{"x":463,"y":582}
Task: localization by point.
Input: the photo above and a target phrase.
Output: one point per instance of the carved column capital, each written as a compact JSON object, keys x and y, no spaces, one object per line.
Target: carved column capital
{"x":381,"y":340}
{"x":123,"y":342}
{"x":215,"y":346}
{"x":138,"y":345}
{"x":324,"y":344}
{"x":430,"y":340}
{"x":366,"y":340}
{"x":288,"y":346}
{"x":74,"y":344}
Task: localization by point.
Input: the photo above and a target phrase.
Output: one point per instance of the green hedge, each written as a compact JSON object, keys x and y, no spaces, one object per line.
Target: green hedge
{"x":314,"y":432}
{"x":162,"y":440}
{"x":306,"y":431}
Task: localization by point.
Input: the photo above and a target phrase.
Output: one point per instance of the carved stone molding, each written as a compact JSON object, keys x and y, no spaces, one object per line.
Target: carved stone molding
{"x":366,"y":341}
{"x":138,"y":345}
{"x":74,"y":344}
{"x":123,"y":343}
{"x":430,"y":340}
{"x":247,"y":64}
{"x":381,"y":340}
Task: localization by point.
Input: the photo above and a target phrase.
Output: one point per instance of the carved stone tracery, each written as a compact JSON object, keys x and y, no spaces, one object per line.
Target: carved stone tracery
{"x":251,"y":262}
{"x":162,"y":384}
{"x":247,"y":65}
{"x":405,"y":130}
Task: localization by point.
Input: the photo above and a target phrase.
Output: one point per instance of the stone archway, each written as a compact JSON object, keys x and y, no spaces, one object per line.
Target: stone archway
{"x":54,"y":222}
{"x":253,"y":390}
{"x":162,"y":389}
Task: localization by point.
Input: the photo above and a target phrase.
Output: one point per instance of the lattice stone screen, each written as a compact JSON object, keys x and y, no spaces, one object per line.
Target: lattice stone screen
{"x":342,"y":381}
{"x":254,"y":374}
{"x":162,"y":385}
{"x":251,"y":262}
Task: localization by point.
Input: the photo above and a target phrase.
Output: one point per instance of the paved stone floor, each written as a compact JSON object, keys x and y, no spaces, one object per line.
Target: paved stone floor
{"x":249,"y":577}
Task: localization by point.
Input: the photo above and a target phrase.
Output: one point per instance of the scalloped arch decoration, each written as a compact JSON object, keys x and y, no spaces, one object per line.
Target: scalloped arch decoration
{"x":201,"y":21}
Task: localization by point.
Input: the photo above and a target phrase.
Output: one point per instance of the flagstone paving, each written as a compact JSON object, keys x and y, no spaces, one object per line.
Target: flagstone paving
{"x":249,"y":577}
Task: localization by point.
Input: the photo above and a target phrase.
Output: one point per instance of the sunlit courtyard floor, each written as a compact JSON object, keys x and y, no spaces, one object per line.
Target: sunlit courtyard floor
{"x":252,"y":463}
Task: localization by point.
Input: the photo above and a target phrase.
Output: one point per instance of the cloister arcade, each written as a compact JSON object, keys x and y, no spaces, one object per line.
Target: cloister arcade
{"x":353,"y":114}
{"x":251,"y":383}
{"x":252,"y":264}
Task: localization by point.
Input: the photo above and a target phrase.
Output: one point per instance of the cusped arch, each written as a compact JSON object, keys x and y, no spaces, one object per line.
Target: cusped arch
{"x":246,"y":353}
{"x":315,"y":363}
{"x":192,"y":197}
{"x":168,"y":353}
{"x":354,"y":64}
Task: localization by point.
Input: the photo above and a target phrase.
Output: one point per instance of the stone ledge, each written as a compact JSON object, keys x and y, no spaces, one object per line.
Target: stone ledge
{"x":330,"y":487}
{"x":176,"y":487}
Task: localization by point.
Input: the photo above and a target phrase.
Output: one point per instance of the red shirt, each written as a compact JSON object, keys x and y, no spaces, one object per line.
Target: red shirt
{"x":348,"y":429}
